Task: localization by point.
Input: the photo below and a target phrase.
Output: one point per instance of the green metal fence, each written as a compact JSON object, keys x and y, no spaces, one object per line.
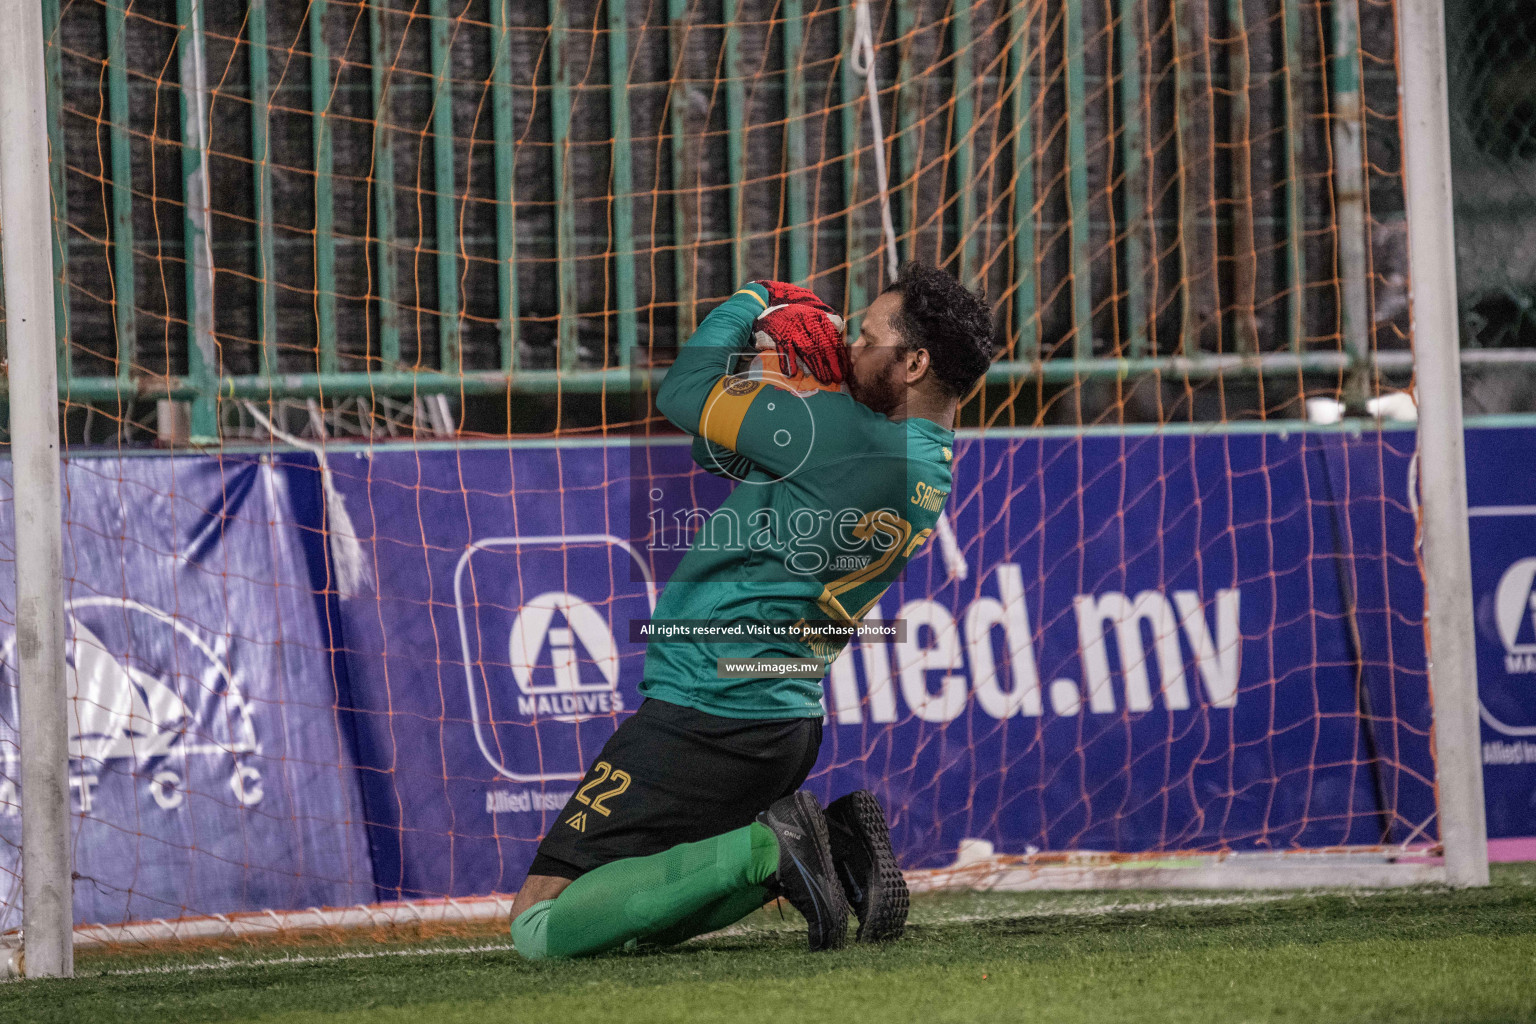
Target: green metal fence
{"x":296,"y":198}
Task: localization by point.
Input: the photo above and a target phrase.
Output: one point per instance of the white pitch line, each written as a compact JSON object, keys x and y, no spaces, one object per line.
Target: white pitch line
{"x":225,"y":964}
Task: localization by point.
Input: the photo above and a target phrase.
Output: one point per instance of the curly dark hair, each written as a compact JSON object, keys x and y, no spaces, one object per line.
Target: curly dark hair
{"x":940,"y":314}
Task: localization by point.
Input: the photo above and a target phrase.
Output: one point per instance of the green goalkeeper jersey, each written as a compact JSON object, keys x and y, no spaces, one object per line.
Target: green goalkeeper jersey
{"x":833,"y":500}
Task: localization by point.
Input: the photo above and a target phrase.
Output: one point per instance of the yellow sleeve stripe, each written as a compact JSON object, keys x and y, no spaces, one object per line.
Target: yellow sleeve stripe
{"x":725,"y":408}
{"x":749,"y":291}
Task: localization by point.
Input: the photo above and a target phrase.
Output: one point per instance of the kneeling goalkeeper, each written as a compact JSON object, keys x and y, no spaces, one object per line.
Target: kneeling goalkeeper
{"x":701,"y":817}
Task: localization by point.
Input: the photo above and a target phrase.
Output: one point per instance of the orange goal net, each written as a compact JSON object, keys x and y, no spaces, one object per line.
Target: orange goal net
{"x":361,"y":309}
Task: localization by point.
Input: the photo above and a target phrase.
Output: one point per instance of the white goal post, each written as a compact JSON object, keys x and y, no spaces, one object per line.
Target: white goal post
{"x":26,"y":223}
{"x":1442,"y":459}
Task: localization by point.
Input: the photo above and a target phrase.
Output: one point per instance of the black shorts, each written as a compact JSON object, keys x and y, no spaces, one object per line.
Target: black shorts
{"x":672,"y":775}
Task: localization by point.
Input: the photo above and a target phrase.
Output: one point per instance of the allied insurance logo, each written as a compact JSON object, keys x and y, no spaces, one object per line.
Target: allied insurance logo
{"x":563,"y":693}
{"x":558,"y":651}
{"x":1514,"y":608}
{"x":1506,"y":624}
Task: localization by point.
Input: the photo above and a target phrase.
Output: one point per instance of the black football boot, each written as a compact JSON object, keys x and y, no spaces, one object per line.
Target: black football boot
{"x":866,"y":866}
{"x":806,"y":877}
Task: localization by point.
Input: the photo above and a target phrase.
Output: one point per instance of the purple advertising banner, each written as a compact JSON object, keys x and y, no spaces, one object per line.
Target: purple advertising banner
{"x":208,"y":769}
{"x":1501,"y":493}
{"x":1134,"y":642}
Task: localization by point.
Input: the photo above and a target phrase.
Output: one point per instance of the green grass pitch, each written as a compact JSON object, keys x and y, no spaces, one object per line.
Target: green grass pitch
{"x":1394,"y":957}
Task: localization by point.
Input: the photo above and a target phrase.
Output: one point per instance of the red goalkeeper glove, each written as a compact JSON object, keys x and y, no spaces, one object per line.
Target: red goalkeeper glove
{"x":780,"y":294}
{"x":807,"y":339}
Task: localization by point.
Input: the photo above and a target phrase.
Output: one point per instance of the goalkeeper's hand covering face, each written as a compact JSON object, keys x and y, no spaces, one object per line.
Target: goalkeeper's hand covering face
{"x":807,"y":339}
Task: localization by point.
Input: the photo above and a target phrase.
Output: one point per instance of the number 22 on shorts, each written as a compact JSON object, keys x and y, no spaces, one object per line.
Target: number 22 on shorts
{"x":603,"y":772}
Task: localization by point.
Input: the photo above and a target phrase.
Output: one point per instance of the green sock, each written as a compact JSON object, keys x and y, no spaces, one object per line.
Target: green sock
{"x":665,"y":898}
{"x":721,"y":914}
